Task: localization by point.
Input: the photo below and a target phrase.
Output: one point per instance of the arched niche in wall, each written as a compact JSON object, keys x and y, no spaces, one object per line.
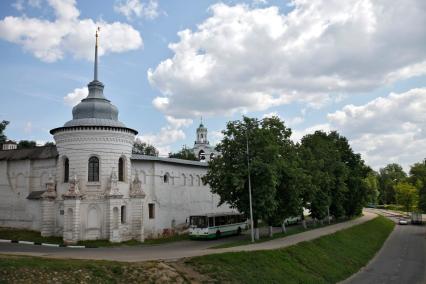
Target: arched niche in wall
{"x":20,"y":185}
{"x":142,"y":176}
{"x":115,"y":218}
{"x":44,"y":178}
{"x":93,"y":217}
{"x":69,"y":220}
{"x":183,"y":177}
{"x":191,"y":180}
{"x":93,"y":222}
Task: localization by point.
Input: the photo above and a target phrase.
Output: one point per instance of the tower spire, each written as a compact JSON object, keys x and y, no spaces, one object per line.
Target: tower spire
{"x":96,"y":54}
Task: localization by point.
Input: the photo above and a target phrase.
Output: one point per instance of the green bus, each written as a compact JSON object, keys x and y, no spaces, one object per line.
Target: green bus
{"x":216,"y":225}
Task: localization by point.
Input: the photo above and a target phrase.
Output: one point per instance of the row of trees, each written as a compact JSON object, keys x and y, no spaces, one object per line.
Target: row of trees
{"x":321,"y":173}
{"x":22,"y":144}
{"x":392,"y":185}
{"x":143,"y":148}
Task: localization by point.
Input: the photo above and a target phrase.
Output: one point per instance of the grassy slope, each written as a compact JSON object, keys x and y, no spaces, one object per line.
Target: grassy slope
{"x":328,"y":259}
{"x":23,"y":269}
{"x":291,"y":230}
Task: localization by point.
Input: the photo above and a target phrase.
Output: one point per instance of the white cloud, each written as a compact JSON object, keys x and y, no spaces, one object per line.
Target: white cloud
{"x":251,"y":59}
{"x":298,"y":134}
{"x":289,"y":122}
{"x":178,"y":122}
{"x":137,"y":8}
{"x":76,"y":96}
{"x":18,"y":5}
{"x":215,"y":137}
{"x":28,"y":128}
{"x":167,"y":135}
{"x":67,"y":34}
{"x":386,"y":129}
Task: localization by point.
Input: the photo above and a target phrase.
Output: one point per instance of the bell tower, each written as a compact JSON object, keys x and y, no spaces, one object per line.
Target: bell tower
{"x":201,"y":134}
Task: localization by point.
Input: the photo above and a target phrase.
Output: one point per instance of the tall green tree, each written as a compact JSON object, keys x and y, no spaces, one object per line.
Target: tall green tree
{"x":227,"y":174}
{"x":312,"y":151}
{"x":3,"y":125}
{"x":291,"y":179}
{"x":372,"y":185}
{"x":418,"y":179}
{"x":406,"y":195}
{"x":185,"y":154}
{"x":337,"y":175}
{"x":354,"y":173}
{"x":143,"y":148}
{"x":389,"y":176}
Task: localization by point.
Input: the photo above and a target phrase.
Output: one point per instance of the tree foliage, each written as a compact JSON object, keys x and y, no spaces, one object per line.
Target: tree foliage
{"x":26,"y":144}
{"x":322,"y":173}
{"x":406,"y":195}
{"x":418,"y":179}
{"x":228,"y":173}
{"x":336,"y":175}
{"x":3,"y":125}
{"x":372,"y":184}
{"x":389,"y":176}
{"x":185,"y":154}
{"x":143,"y":148}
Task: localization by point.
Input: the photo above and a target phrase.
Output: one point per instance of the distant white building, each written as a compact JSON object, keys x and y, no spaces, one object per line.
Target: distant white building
{"x":9,"y":145}
{"x":90,"y":185}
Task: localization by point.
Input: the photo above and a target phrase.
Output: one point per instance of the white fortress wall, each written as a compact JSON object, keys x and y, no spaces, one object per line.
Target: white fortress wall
{"x":175,"y":198}
{"x":18,"y":178}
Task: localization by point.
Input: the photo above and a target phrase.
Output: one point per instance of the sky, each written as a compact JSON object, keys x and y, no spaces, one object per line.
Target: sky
{"x":355,"y":66}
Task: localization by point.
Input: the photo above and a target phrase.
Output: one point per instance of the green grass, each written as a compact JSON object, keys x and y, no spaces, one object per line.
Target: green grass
{"x":34,"y":236}
{"x":27,"y":235}
{"x":328,"y":259}
{"x":23,"y":269}
{"x":291,"y":230}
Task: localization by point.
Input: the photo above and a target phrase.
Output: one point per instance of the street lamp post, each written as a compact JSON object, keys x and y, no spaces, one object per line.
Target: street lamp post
{"x":249,"y":186}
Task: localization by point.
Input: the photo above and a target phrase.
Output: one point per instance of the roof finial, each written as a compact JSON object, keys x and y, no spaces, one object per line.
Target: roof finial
{"x":96,"y":54}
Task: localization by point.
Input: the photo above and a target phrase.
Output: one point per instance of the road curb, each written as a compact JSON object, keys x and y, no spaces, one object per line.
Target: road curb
{"x":44,"y":244}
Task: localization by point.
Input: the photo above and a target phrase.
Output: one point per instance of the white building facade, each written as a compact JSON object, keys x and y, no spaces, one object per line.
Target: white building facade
{"x":90,"y":185}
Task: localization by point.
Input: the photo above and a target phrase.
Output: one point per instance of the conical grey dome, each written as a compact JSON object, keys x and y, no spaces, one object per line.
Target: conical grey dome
{"x":95,"y":109}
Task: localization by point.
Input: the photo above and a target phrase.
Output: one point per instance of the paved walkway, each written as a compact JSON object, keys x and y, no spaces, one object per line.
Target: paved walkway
{"x":174,"y":250}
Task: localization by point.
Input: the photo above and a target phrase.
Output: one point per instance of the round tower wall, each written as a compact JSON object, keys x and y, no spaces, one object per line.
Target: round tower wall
{"x":108,"y":145}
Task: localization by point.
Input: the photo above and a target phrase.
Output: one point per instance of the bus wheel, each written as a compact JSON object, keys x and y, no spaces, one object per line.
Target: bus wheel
{"x":239,"y":231}
{"x":217,"y":234}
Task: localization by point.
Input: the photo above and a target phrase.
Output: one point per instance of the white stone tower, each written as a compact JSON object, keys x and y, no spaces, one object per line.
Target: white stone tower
{"x":94,"y":169}
{"x":202,"y":149}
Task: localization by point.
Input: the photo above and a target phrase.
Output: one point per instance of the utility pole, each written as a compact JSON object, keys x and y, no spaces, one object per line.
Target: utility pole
{"x":249,"y":185}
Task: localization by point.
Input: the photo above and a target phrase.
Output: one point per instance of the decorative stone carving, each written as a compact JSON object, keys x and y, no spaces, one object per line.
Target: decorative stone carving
{"x":73,"y":189}
{"x":113,"y":190}
{"x":136,"y":188}
{"x":50,"y":189}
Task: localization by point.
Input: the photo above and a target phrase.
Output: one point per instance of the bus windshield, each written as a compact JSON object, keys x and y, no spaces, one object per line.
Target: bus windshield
{"x":198,"y":221}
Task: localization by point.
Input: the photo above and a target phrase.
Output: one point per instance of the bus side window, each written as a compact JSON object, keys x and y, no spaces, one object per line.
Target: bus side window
{"x":211,"y":223}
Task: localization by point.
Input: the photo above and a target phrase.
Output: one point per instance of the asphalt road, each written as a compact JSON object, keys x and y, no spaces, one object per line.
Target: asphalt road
{"x":402,"y":258}
{"x":176,"y":250}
